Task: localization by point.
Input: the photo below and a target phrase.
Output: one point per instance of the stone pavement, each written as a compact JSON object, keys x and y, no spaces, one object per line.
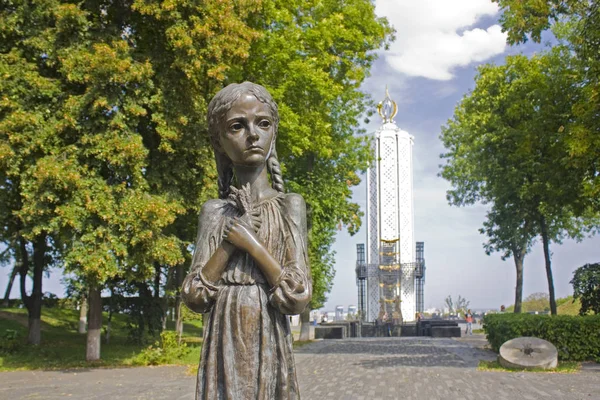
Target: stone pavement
{"x":428,"y":369}
{"x":375,"y":368}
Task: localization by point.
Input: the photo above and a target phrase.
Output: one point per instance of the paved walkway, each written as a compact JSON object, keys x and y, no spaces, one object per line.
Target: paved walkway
{"x":378,"y":368}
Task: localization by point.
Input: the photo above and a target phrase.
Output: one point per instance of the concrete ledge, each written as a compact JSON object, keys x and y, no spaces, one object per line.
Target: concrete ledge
{"x":330,"y":332}
{"x":424,"y":327}
{"x":445,"y":331}
{"x":409,"y":329}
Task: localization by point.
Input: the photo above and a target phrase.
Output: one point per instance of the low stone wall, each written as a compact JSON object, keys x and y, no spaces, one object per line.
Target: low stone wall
{"x":330,"y":332}
{"x":445,"y":331}
{"x":409,"y":329}
{"x":424,"y":327}
{"x":352,"y":327}
{"x":355,"y":329}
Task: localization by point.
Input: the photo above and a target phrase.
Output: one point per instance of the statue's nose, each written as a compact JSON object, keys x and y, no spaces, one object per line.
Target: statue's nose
{"x":253,"y":133}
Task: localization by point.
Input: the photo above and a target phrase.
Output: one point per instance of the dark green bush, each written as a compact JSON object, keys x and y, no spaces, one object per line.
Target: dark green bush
{"x":9,"y":341}
{"x":576,"y":338}
{"x":167,"y":350}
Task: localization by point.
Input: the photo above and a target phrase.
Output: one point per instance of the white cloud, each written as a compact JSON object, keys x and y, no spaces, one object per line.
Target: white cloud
{"x":432,"y":36}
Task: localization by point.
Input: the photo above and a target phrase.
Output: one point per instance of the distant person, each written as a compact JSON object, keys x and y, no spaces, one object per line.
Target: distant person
{"x":469,"y":319}
{"x":388,"y":324}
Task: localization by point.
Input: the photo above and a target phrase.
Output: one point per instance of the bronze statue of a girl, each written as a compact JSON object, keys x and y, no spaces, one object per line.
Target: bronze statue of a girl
{"x":250,"y":265}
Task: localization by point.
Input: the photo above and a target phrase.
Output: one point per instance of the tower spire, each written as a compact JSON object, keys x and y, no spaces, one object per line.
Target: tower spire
{"x":387,"y":108}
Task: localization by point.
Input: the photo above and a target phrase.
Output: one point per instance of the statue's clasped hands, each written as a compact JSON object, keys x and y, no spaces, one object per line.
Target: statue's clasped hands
{"x":241,"y":231}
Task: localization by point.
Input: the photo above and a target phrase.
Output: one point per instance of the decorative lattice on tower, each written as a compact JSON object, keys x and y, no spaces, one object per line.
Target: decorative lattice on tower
{"x":389,"y":276}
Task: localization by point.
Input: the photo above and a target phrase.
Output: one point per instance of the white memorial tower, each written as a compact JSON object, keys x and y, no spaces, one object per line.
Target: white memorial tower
{"x":389,"y":276}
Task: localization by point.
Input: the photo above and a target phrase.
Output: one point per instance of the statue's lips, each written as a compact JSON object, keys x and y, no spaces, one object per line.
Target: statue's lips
{"x":255,"y":149}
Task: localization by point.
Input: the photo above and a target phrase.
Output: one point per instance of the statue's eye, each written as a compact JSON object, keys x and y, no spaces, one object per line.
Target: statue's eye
{"x":236,"y":126}
{"x":265,"y":123}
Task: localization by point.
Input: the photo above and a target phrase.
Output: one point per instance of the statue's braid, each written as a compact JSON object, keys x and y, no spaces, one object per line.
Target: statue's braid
{"x":225,"y":180}
{"x":275,"y":170}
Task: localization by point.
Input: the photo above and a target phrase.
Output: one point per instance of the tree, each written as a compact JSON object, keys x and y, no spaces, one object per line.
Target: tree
{"x":537,"y":302}
{"x":507,"y":147}
{"x":461,"y":304}
{"x":103,"y":111}
{"x":510,"y":233}
{"x":586,"y":287}
{"x":576,"y":23}
{"x":450,"y":304}
{"x":5,"y":257}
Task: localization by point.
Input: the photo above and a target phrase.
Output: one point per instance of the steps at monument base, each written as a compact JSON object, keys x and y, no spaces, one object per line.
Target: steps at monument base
{"x":330,"y":332}
{"x":342,"y":330}
{"x":445,"y":331}
{"x":424,"y":326}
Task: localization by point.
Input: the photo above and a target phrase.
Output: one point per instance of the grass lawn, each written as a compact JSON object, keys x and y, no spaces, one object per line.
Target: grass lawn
{"x":63,"y":347}
{"x":565,"y":367}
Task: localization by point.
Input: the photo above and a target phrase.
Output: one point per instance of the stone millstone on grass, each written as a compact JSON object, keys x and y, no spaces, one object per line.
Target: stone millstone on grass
{"x":528,"y":353}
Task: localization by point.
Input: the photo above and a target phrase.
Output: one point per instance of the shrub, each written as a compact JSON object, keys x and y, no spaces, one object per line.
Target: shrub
{"x":576,"y":338}
{"x":50,"y":300}
{"x":165,"y":351}
{"x":586,"y":288}
{"x":9,"y":341}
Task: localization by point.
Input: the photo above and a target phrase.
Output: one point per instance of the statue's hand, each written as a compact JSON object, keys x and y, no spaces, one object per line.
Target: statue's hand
{"x":191,"y":291}
{"x":240,"y":234}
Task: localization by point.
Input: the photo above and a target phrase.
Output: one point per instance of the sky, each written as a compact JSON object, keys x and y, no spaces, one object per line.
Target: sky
{"x":428,"y":69}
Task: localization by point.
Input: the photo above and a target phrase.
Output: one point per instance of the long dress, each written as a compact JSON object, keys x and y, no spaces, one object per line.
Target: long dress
{"x":247,"y":350}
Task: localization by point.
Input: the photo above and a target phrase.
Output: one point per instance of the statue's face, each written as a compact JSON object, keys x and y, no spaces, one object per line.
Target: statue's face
{"x":247,"y":131}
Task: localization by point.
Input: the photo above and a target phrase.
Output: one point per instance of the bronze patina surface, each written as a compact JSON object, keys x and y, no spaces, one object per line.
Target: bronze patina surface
{"x":250,"y":265}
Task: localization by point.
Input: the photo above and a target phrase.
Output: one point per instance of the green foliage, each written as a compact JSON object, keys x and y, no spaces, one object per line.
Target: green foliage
{"x":565,"y":305}
{"x":566,"y":367}
{"x":189,"y":315}
{"x":165,"y":351}
{"x":537,"y":302}
{"x":577,"y":24}
{"x":586,"y":288}
{"x":531,"y":17}
{"x":569,"y":307}
{"x":103,"y":142}
{"x":576,"y":338}
{"x":507,"y":146}
{"x":63,"y":347}
{"x":10,"y":341}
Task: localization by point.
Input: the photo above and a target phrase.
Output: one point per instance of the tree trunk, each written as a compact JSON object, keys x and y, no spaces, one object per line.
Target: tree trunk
{"x":33,"y":302}
{"x":83,"y":315}
{"x":305,"y":324}
{"x":108,"y":326}
{"x":169,"y":285}
{"x":110,"y":314}
{"x":95,"y":324}
{"x":156,"y":280}
{"x":179,"y":323}
{"x":519,"y":256}
{"x":11,"y":280}
{"x":178,"y":304}
{"x":546,"y":243}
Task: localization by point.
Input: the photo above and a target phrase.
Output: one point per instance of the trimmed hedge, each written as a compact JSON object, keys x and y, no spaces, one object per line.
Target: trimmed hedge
{"x":576,"y":338}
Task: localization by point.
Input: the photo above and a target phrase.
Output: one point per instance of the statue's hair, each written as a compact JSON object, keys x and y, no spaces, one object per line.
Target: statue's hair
{"x":217,"y":109}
